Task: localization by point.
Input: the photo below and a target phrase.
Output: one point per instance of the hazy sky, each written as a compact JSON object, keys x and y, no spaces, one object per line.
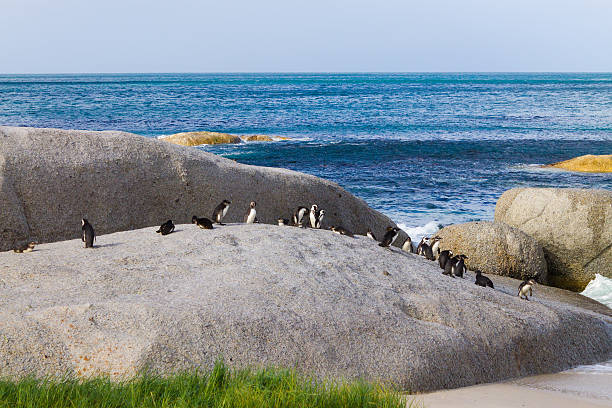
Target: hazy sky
{"x":52,"y":36}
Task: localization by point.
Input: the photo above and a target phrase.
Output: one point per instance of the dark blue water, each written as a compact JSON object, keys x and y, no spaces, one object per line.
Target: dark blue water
{"x":422,"y":148}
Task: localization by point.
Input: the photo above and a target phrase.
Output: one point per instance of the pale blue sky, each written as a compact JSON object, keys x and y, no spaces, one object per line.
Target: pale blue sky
{"x":54,"y":36}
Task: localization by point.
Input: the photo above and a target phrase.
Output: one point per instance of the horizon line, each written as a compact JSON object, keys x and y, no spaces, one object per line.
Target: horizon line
{"x":302,"y":72}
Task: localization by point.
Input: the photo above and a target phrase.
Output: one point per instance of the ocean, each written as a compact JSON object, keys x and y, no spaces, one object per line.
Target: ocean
{"x":424,"y":149}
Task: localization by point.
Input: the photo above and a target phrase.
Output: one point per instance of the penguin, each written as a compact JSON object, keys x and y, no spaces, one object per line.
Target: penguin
{"x":444,"y":257}
{"x":250,"y":216}
{"x":371,"y":235}
{"x":428,"y":253}
{"x":435,"y":247}
{"x":341,"y":231}
{"x":314,"y":215}
{"x":390,"y":237}
{"x":88,"y":236}
{"x":424,"y":241}
{"x":24,"y":247}
{"x":320,"y":219}
{"x":483,"y":281}
{"x":166,"y":228}
{"x":282,"y":222}
{"x":220,"y":211}
{"x":448,"y":267}
{"x":298,"y":216}
{"x":203,"y":222}
{"x":459,"y":266}
{"x":526,"y":286}
{"x":407,"y":246}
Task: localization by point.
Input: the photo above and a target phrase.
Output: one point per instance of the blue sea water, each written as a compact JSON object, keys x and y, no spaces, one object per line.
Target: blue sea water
{"x":425,"y":149}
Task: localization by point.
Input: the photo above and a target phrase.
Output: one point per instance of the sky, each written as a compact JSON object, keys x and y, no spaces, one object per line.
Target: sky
{"x":75,"y":36}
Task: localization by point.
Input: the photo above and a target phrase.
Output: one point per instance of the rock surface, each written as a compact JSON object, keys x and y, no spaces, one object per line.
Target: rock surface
{"x":496,"y":248}
{"x":574,"y":227}
{"x":588,"y":163}
{"x":200,"y":138}
{"x":50,"y":179}
{"x":266,"y":295}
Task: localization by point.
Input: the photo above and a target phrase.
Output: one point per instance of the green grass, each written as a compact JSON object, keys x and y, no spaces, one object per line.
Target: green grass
{"x":221,"y":387}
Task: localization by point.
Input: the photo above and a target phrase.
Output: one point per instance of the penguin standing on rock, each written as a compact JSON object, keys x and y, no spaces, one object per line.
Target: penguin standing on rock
{"x":203,"y":222}
{"x":320,"y":219}
{"x":283,"y":222}
{"x":444,"y":257}
{"x":251,"y":215}
{"x":298,"y":216}
{"x":220,"y":211}
{"x":314,"y":215}
{"x":449,"y":266}
{"x":526,"y":286}
{"x":390,"y":237}
{"x":166,"y":228}
{"x":88,"y":235}
{"x":459,"y":266}
{"x":422,"y":243}
{"x":407,"y":246}
{"x":371,"y":235}
{"x":435,"y":247}
{"x":483,"y":281}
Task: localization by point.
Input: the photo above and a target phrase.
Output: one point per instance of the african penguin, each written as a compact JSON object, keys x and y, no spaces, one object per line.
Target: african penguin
{"x":283,"y":222}
{"x":459,"y":265}
{"x":448,"y":267}
{"x":314,"y":215}
{"x":319,"y":221}
{"x":526,"y":286}
{"x":298,"y":216}
{"x":423,"y":241}
{"x":483,"y":281}
{"x":371,"y":235}
{"x":407,"y":246}
{"x":166,"y":228}
{"x":390,"y":236}
{"x":341,"y":231}
{"x":24,"y":247}
{"x":88,"y":235}
{"x":428,"y":253}
{"x":250,"y":216}
{"x":203,"y":222}
{"x":220,"y":211}
{"x":444,"y":257}
{"x":435,"y":247}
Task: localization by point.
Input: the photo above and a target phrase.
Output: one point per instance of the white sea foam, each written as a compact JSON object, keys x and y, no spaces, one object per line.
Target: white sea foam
{"x":418,"y":232}
{"x":600,"y":289}
{"x":601,"y":368}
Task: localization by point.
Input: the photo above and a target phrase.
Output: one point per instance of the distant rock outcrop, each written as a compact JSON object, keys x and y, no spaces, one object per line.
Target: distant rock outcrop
{"x":589,"y":163}
{"x":50,"y":179}
{"x":496,"y":248}
{"x":262,"y":295}
{"x":574,"y":227}
{"x":200,"y":138}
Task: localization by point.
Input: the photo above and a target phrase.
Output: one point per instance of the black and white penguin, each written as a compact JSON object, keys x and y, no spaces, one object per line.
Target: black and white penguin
{"x":220,"y":211}
{"x":24,"y":247}
{"x":448,"y":267}
{"x":407,"y":245}
{"x":314,"y":215}
{"x":371,"y":235}
{"x":459,"y":265}
{"x":483,"y":281}
{"x":341,"y":231}
{"x":419,"y":250}
{"x":203,"y":222}
{"x":319,"y":221}
{"x":298,"y":216}
{"x":444,"y":257}
{"x":428,"y":253}
{"x":166,"y":228}
{"x":435,"y":247}
{"x":525,"y":287}
{"x":88,"y":235}
{"x":283,"y":222}
{"x":390,"y":236}
{"x":251,"y":215}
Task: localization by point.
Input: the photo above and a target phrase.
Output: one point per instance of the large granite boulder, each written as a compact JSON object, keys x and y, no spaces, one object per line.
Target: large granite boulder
{"x":587,"y":164}
{"x":50,"y":179}
{"x":265,"y":295}
{"x":496,"y":248}
{"x":574,"y":227}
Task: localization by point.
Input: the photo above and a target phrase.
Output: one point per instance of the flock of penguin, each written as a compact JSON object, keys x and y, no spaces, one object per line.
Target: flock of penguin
{"x":451,"y":264}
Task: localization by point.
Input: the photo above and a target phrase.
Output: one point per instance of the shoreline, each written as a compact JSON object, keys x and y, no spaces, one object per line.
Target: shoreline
{"x":584,"y":386}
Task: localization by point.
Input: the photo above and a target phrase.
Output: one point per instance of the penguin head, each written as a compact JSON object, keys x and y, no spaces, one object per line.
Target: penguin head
{"x":83,"y":221}
{"x":462,"y":256}
{"x":281,"y":221}
{"x":314,"y":208}
{"x":253,"y":204}
{"x":32,"y":244}
{"x":322,"y":213}
{"x":194,"y":219}
{"x":226,"y":202}
{"x":531,"y":281}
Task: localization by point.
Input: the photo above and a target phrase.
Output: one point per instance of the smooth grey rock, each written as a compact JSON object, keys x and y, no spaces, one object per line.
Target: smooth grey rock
{"x":266,"y":295}
{"x":574,"y":227}
{"x":50,"y":179}
{"x":496,"y":248}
